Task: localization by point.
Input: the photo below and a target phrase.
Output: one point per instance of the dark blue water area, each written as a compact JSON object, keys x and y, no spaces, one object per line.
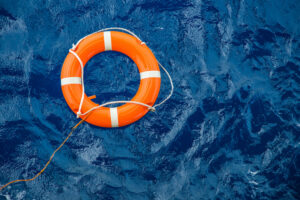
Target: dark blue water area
{"x":230,"y":131}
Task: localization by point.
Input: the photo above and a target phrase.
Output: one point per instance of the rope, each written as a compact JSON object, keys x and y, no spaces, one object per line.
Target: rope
{"x":50,"y":159}
{"x":172,"y":87}
{"x":115,"y":102}
{"x":82,"y":82}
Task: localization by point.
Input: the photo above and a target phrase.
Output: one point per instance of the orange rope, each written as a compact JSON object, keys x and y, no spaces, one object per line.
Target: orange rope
{"x":50,"y":159}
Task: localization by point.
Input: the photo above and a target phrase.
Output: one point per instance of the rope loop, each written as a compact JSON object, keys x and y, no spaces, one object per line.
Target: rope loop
{"x":72,"y":50}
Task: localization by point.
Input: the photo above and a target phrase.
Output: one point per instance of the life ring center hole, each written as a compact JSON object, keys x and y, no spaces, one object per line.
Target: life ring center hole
{"x":111,"y":76}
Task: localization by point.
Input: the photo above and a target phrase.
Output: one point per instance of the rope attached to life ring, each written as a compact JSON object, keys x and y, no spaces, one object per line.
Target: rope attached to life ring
{"x":152,"y":108}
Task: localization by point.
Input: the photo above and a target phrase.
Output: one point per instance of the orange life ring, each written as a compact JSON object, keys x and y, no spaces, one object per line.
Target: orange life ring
{"x":111,"y":41}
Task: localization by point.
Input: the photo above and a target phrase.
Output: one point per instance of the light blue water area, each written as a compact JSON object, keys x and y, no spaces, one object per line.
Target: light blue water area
{"x":230,"y":131}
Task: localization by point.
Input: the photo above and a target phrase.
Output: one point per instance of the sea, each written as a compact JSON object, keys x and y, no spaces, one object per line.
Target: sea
{"x":231,"y":129}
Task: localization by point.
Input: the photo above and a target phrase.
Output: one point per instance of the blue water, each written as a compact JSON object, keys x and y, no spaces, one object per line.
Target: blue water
{"x":230,"y":131}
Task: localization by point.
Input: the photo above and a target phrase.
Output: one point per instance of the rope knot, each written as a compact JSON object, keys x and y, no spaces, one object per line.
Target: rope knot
{"x":73,"y":46}
{"x":152,"y":109}
{"x":78,"y":114}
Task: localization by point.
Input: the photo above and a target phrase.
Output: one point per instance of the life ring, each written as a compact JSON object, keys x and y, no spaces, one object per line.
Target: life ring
{"x":123,"y":43}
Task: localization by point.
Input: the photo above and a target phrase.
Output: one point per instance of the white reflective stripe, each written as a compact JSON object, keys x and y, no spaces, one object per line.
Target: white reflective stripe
{"x":107,"y":41}
{"x":150,"y":74}
{"x":114,"y":117}
{"x":70,"y":80}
